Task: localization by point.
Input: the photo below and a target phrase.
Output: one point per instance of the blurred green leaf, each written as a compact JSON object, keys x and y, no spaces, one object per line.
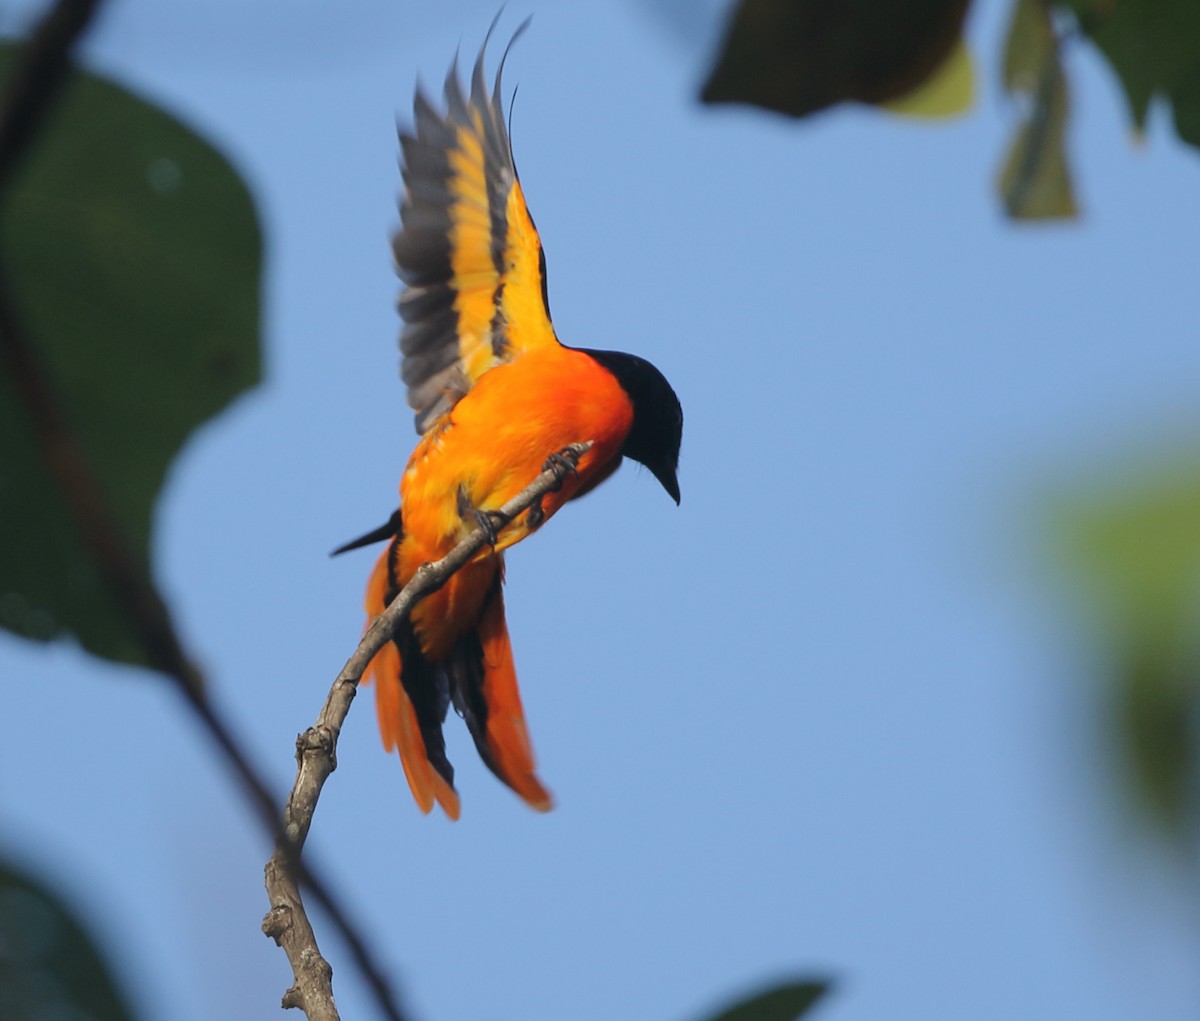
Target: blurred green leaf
{"x":1028,"y":46}
{"x":133,"y":256}
{"x":785,"y":1002}
{"x":1035,"y":180}
{"x":49,"y":966}
{"x":1154,"y":47}
{"x":801,"y":56}
{"x":1136,"y":552}
{"x":1157,"y":704}
{"x":949,"y":93}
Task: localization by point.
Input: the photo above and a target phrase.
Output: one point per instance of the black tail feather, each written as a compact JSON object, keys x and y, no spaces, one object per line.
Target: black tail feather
{"x":464,"y":671}
{"x":428,"y":691}
{"x":391,"y":530}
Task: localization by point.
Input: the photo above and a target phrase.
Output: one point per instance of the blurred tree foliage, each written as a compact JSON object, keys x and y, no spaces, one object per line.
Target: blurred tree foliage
{"x":1136,"y":553}
{"x":1133,"y":551}
{"x":785,"y":1002}
{"x":50,"y":968}
{"x":131,"y":252}
{"x":801,"y":56}
{"x":1154,"y":47}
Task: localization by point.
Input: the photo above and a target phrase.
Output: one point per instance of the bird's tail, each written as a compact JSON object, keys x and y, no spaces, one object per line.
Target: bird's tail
{"x":410,"y":701}
{"x":483,"y":685}
{"x":413,"y":693}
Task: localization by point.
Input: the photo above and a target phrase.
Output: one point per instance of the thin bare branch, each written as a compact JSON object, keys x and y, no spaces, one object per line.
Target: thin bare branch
{"x":316,"y":757}
{"x":36,"y":82}
{"x":27,"y":99}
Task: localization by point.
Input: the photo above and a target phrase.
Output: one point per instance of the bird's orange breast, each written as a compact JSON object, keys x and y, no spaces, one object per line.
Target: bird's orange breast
{"x":492,"y":444}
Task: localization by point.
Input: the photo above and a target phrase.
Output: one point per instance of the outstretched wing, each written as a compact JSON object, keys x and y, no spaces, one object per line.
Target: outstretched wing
{"x":467,"y":249}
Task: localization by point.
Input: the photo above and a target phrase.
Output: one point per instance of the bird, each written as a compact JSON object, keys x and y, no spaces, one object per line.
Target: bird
{"x":497,"y":398}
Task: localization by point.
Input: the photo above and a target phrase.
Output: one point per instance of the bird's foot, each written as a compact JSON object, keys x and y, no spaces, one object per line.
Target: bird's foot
{"x":565,"y":463}
{"x":490,"y":523}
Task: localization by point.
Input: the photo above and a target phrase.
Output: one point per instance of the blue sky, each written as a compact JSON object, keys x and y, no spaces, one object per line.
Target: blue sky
{"x":833,"y":714}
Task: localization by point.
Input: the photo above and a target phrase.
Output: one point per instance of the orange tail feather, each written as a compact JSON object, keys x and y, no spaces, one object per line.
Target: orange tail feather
{"x":507,"y":737}
{"x":398,"y":723}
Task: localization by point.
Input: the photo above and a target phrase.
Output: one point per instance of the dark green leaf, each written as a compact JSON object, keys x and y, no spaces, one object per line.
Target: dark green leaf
{"x":133,"y":256}
{"x":49,"y":966}
{"x":785,"y":1002}
{"x":950,"y":92}
{"x":1154,"y":47}
{"x":1157,"y":704}
{"x":801,"y":56}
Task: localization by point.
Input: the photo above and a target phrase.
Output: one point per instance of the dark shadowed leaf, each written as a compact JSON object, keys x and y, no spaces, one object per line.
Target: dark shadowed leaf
{"x":801,"y":56}
{"x":133,"y":255}
{"x":1035,"y":181}
{"x":49,"y":967}
{"x":1154,"y":47}
{"x":785,"y":1002}
{"x":1136,"y":552}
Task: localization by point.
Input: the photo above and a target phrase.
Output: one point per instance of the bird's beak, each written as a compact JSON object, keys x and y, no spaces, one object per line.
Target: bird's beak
{"x":670,"y":483}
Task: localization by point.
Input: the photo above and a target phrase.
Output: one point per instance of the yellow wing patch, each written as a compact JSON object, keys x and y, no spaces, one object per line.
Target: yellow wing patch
{"x":467,"y":249}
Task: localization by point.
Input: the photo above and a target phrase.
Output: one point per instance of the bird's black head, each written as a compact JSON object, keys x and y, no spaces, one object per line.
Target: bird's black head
{"x":657,"y":416}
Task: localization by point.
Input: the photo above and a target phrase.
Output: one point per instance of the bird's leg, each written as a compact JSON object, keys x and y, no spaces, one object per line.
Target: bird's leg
{"x":489,"y":522}
{"x":563,"y":463}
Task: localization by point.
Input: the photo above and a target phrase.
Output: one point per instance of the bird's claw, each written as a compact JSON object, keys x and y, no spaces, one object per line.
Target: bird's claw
{"x":564,"y":463}
{"x":490,"y":523}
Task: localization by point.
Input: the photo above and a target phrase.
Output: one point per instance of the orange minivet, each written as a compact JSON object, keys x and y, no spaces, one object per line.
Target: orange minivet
{"x":497,"y":396}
